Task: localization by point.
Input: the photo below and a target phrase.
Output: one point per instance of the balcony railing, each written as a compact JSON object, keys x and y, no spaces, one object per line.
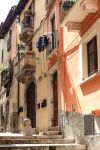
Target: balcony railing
{"x":53,"y":42}
{"x":26,"y":29}
{"x":24,"y":65}
{"x":67,"y":5}
{"x":6,"y":77}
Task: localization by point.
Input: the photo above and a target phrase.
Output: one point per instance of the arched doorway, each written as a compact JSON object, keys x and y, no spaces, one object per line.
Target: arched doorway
{"x":31,"y":103}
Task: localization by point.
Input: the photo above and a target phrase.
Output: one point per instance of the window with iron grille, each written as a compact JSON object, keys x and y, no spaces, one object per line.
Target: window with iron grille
{"x":89,"y":128}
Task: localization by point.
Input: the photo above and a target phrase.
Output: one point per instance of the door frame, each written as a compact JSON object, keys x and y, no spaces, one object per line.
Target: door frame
{"x":54,"y":104}
{"x":29,"y":81}
{"x":52,"y":70}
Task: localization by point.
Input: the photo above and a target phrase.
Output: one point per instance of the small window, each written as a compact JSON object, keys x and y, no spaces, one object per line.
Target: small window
{"x":9,"y":41}
{"x":46,"y":3}
{"x":92,"y":56}
{"x":17,"y":19}
{"x":2,"y":55}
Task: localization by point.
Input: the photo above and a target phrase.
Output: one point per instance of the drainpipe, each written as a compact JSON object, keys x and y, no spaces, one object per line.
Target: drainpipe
{"x":18,"y":82}
{"x":18,"y":96}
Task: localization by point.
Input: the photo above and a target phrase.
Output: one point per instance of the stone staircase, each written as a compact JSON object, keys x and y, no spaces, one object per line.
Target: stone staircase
{"x":53,"y":131}
{"x":51,"y":140}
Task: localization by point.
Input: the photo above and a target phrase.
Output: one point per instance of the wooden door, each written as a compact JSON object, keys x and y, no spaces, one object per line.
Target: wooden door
{"x":31,"y":104}
{"x":55,"y":98}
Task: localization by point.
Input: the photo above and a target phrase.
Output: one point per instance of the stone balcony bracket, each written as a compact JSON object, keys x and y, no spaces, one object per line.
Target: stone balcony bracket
{"x":90,"y":5}
{"x":73,"y":26}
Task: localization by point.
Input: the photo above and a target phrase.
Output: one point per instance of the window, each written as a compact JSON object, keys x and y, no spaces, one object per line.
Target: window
{"x":46,"y":2}
{"x":9,"y":41}
{"x":53,"y":38}
{"x":92,"y":56}
{"x":28,"y":21}
{"x":53,"y":23}
{"x":53,"y":32}
{"x":17,"y":19}
{"x":2,"y":55}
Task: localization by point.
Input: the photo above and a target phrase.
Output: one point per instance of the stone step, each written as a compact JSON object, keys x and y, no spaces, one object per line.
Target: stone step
{"x":33,"y":137}
{"x":38,"y":146}
{"x":64,"y":141}
{"x":52,"y":132}
{"x":56,"y":128}
{"x":49,"y":137}
{"x":36,"y":141}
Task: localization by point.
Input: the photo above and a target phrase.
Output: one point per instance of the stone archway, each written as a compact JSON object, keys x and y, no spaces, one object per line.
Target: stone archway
{"x":31,"y":102}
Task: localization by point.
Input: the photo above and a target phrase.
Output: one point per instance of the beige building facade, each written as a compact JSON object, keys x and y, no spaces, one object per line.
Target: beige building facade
{"x":31,"y":89}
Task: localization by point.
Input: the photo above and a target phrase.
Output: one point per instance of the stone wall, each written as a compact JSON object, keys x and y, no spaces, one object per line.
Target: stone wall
{"x":72,"y":126}
{"x":14,"y":122}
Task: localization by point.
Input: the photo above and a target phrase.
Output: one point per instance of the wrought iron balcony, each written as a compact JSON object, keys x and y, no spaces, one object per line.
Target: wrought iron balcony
{"x":26,"y":29}
{"x":53,"y":42}
{"x":6,"y":77}
{"x":67,"y":5}
{"x":24,"y":65}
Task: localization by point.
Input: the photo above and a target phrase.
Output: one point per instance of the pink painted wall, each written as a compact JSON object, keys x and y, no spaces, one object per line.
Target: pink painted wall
{"x":14,"y":40}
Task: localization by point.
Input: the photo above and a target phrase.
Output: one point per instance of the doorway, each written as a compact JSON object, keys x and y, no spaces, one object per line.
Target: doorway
{"x":31,"y":104}
{"x":55,"y":98}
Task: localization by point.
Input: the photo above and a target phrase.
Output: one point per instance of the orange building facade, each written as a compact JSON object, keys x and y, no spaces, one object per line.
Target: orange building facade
{"x":81,"y":66}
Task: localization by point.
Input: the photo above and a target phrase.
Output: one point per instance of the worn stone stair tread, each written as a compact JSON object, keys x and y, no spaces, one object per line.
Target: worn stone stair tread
{"x":64,"y":141}
{"x":56,"y":128}
{"x":31,"y":137}
{"x":52,"y":132}
{"x":69,"y":146}
{"x":50,"y":137}
{"x":35,"y":141}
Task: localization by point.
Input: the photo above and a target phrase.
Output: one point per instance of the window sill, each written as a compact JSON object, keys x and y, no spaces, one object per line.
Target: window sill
{"x":89,"y":79}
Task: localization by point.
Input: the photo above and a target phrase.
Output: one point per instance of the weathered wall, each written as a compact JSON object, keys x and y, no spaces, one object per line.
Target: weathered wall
{"x":73,"y":127}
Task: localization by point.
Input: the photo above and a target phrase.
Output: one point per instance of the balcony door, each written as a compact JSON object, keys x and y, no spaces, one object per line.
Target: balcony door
{"x":31,"y":104}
